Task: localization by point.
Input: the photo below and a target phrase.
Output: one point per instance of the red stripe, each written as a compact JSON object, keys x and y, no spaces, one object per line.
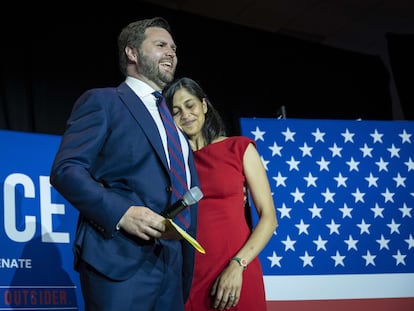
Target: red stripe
{"x":182,"y":182}
{"x":383,"y":304}
{"x":167,"y":121}
{"x":179,"y":161}
{"x":176,"y":194}
{"x":172,"y":139}
{"x":182,"y":218}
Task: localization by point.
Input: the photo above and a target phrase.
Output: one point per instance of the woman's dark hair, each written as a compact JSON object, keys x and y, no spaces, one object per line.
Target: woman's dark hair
{"x":214,"y":125}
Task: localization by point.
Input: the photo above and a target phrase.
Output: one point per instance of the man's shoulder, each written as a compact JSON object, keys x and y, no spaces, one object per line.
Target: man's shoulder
{"x":106,"y":92}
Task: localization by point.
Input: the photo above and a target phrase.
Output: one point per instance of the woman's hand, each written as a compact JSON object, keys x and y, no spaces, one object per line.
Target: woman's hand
{"x":226,"y":288}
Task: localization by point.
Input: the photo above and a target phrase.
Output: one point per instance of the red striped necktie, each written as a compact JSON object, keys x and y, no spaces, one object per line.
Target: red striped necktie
{"x":177,"y":167}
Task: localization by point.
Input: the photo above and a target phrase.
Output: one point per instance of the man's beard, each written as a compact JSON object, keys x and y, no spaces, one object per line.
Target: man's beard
{"x":149,"y":68}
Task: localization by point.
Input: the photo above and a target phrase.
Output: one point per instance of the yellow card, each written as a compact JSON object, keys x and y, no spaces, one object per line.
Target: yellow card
{"x":188,"y":237}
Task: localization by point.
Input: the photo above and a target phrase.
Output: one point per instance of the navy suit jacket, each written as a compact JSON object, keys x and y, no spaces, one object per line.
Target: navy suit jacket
{"x":111,"y":157}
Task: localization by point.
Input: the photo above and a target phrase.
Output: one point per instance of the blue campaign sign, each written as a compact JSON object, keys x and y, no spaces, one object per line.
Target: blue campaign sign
{"x":37,"y":228}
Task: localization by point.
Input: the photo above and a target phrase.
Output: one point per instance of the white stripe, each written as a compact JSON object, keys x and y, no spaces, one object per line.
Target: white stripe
{"x":343,"y":286}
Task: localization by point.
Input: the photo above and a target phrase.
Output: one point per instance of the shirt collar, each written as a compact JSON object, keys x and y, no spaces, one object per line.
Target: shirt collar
{"x":139,"y":87}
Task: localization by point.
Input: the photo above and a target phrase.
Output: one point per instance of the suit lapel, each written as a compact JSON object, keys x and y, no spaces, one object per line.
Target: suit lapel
{"x":144,"y":119}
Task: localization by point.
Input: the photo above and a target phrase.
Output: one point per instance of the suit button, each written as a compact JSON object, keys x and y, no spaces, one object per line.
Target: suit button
{"x":168,"y":189}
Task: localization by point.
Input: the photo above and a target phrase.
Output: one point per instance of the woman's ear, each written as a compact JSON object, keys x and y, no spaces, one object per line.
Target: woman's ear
{"x":205,"y":106}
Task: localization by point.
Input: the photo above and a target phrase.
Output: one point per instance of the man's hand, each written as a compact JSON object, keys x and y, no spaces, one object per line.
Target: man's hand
{"x":143,"y":222}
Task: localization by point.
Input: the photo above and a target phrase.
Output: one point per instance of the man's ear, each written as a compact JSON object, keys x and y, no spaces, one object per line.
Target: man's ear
{"x":132,"y":54}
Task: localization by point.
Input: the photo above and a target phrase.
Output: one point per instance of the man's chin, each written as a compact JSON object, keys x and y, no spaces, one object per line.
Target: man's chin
{"x":167,"y":78}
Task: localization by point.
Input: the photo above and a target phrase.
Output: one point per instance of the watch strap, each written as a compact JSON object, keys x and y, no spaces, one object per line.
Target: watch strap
{"x":242,"y":262}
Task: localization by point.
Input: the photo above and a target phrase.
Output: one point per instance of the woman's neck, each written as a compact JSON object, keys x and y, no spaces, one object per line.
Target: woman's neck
{"x":197,"y":142}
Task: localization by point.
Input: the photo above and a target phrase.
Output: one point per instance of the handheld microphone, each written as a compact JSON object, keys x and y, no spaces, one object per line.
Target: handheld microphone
{"x":192,"y":196}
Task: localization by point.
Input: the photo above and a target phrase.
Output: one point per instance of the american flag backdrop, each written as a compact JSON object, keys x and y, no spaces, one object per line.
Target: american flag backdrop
{"x":344,"y":196}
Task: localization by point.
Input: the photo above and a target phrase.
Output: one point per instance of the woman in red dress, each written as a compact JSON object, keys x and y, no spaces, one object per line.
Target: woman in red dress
{"x":229,"y":274}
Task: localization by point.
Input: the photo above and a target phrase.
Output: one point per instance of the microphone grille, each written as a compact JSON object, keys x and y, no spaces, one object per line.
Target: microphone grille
{"x":193,"y":195}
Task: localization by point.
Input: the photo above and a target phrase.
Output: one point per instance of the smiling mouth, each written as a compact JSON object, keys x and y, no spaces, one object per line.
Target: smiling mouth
{"x":188,"y":123}
{"x":166,"y":66}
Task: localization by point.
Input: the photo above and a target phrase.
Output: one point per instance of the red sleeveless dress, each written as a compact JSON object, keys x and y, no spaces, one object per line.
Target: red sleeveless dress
{"x":222,"y":228}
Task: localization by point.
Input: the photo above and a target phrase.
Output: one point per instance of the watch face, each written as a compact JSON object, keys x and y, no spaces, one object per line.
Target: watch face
{"x":242,"y":262}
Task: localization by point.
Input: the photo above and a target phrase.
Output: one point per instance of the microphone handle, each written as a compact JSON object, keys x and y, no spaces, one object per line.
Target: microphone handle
{"x":174,"y":209}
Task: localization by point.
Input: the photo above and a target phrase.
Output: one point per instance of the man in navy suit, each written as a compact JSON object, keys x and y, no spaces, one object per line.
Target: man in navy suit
{"x":113,"y":166}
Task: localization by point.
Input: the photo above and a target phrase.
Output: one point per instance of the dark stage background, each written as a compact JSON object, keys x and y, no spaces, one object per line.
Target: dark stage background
{"x":49,"y":57}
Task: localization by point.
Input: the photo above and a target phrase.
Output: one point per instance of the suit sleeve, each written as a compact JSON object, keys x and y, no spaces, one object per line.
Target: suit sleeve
{"x":72,"y":170}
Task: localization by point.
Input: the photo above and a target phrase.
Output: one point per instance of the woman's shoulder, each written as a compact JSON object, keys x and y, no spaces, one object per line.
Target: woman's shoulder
{"x":235,"y":143}
{"x":219,"y":139}
{"x":241,"y":140}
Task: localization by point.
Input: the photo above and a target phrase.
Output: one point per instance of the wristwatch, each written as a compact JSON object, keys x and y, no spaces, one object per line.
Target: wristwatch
{"x":242,"y":262}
